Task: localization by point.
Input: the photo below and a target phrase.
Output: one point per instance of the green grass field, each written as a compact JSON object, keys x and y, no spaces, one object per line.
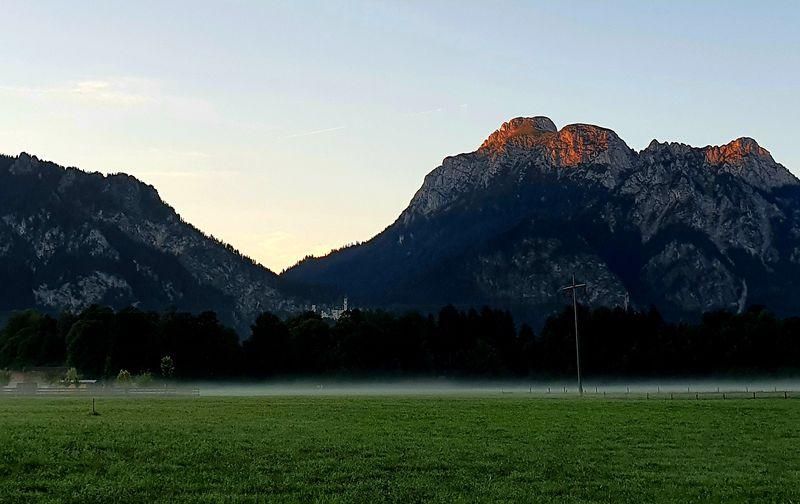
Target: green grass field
{"x":399,"y":449}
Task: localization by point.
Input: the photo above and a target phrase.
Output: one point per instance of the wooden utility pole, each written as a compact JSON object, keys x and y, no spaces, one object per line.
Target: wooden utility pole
{"x":574,"y":288}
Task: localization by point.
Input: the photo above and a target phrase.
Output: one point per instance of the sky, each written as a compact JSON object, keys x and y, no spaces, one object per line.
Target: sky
{"x":291,"y":128}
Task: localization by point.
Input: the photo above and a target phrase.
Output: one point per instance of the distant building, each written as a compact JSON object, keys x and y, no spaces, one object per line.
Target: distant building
{"x":334,"y":313}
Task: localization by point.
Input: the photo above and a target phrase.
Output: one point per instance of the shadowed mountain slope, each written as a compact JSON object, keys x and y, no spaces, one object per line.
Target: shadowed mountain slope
{"x":69,"y":239}
{"x":686,"y":229}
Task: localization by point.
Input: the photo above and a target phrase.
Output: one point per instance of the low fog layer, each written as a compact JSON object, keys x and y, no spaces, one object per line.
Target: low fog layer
{"x":447,"y":387}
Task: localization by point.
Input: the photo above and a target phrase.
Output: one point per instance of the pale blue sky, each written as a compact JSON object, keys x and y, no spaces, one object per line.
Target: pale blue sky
{"x":289,"y":128}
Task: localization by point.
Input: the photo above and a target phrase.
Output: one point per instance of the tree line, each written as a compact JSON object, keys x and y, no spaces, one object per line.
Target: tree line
{"x":100,"y":342}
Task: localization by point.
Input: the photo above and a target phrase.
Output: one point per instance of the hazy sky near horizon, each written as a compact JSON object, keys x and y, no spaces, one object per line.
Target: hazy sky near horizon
{"x":289,"y":128}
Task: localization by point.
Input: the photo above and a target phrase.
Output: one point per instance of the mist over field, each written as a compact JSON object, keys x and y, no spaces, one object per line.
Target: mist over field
{"x":428,"y":387}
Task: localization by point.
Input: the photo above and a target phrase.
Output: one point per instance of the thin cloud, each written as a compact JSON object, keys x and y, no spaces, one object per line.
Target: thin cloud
{"x":113,"y":93}
{"x":311,"y":133}
{"x":121,"y":92}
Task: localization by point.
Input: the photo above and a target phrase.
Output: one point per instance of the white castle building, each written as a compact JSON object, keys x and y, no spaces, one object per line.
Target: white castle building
{"x":333,"y":313}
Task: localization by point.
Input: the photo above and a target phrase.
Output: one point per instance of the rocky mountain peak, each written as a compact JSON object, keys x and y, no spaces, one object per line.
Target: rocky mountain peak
{"x":517,"y":130}
{"x":573,"y":145}
{"x":735,"y":152}
{"x":745,"y":159}
{"x":666,"y":151}
{"x":582,"y":143}
{"x":25,"y":163}
{"x":742,"y":158}
{"x":69,"y":239}
{"x":687,"y":229}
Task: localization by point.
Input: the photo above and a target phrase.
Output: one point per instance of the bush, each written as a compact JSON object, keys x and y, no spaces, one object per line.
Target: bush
{"x":124,"y":378}
{"x":52,"y":377}
{"x":72,"y":377}
{"x":167,"y":367}
{"x":5,"y":377}
{"x":144,"y":380}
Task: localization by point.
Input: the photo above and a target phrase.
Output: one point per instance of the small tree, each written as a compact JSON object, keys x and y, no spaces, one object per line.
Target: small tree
{"x":52,"y":377}
{"x":72,"y":377}
{"x":124,"y":378}
{"x":5,"y":377}
{"x":167,"y":367}
{"x":144,"y":380}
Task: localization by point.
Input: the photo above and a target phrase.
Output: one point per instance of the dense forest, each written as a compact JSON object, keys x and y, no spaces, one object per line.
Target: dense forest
{"x":99,"y":342}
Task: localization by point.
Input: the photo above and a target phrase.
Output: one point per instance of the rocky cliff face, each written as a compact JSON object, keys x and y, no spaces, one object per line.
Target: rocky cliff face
{"x":69,"y":239}
{"x":687,"y":229}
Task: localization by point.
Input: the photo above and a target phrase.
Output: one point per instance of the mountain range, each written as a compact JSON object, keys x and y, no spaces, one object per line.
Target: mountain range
{"x":682,"y":228}
{"x":69,"y":239}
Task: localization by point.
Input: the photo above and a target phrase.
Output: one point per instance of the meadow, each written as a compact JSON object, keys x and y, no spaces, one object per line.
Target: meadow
{"x":502,"y":448}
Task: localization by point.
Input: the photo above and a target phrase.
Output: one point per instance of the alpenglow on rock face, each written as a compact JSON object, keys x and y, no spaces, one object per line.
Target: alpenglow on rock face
{"x":686,"y":229}
{"x":69,"y":239}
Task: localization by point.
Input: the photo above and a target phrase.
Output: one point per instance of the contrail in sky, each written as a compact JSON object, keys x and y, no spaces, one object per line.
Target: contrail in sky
{"x":315,"y":132}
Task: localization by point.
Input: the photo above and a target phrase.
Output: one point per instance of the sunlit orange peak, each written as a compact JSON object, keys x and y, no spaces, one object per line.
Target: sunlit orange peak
{"x":519,"y":127}
{"x":735,"y":152}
